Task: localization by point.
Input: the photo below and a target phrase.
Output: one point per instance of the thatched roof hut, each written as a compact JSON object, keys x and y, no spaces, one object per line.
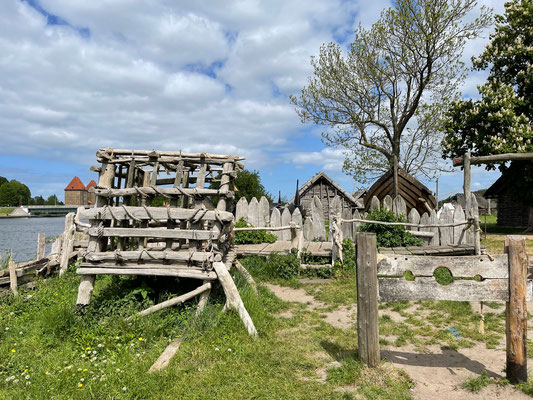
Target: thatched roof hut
{"x":415,"y":194}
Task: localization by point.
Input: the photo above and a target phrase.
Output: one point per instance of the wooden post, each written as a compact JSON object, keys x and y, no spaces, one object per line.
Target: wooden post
{"x":466,"y":185}
{"x":516,"y":310}
{"x":68,"y":243}
{"x":367,"y":299}
{"x":13,"y":283}
{"x":41,"y":243}
{"x":395,"y":176}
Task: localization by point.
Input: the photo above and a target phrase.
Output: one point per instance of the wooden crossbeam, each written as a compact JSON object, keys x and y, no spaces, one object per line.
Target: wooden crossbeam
{"x":192,"y":234}
{"x":497,"y":158}
{"x":148,"y":213}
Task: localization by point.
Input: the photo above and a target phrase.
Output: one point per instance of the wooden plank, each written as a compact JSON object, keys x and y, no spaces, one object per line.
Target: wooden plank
{"x":241,"y":209}
{"x":367,"y":299}
{"x":151,"y":270}
{"x":460,"y":267}
{"x":374,"y":204}
{"x":433,"y":221}
{"x":516,"y":310}
{"x":397,"y":289}
{"x":264,"y":212}
{"x":191,"y":234}
{"x":176,"y":300}
{"x":308,"y":229}
{"x":275,"y":221}
{"x":399,"y":206}
{"x":41,"y":244}
{"x":285,"y":221}
{"x":355,"y":225}
{"x":317,"y":214}
{"x":458,"y":216}
{"x":414,"y":218}
{"x":253,"y":212}
{"x":387,"y":203}
{"x":347,"y":227}
{"x":494,"y":158}
{"x":150,"y":213}
{"x":446,"y":233}
{"x":296,"y":218}
{"x":13,"y":283}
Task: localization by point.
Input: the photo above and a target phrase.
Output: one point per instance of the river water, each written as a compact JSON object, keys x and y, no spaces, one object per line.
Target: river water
{"x":19,"y":235}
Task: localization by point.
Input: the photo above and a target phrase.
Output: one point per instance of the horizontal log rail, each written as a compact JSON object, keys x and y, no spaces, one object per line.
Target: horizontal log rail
{"x":267,"y":228}
{"x":366,"y":221}
{"x":148,"y":255}
{"x":147,"y":269}
{"x":153,"y":213}
{"x":192,"y":234}
{"x":199,"y":157}
{"x":154,"y":191}
{"x":496,"y":158}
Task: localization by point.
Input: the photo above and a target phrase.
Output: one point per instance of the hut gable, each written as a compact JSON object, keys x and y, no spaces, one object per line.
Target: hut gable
{"x":511,"y":212}
{"x":322,"y":186}
{"x":415,"y":194}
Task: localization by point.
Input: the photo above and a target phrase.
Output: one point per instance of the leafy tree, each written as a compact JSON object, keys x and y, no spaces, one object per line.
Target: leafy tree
{"x":501,"y":121}
{"x":247,"y":184}
{"x":384,"y":99}
{"x":53,"y":200}
{"x":14,"y":193}
{"x":38,"y":201}
{"x":3,"y":180}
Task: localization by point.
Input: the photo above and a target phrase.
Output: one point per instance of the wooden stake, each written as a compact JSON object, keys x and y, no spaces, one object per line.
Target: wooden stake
{"x":68,"y":243}
{"x":246,"y":275}
{"x":41,"y":243}
{"x":176,"y":300}
{"x":367,"y":299}
{"x":13,"y":282}
{"x":233,"y":299}
{"x":516,"y":312}
{"x":166,"y":356}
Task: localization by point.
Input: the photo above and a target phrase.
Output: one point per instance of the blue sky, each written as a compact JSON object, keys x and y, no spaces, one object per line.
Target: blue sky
{"x":76,"y":76}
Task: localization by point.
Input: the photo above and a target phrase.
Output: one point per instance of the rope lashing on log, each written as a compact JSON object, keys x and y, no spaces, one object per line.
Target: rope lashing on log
{"x":130,"y":215}
{"x":366,"y":221}
{"x":159,"y":192}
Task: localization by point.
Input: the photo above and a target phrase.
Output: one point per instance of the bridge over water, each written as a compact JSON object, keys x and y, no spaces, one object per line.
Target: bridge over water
{"x":52,"y":210}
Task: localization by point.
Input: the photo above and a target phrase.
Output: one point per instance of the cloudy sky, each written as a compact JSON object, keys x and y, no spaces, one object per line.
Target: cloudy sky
{"x":197,"y":76}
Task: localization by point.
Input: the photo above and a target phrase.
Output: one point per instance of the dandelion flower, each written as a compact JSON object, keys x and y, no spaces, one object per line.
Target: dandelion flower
{"x":88,"y":348}
{"x":85,"y":370}
{"x":80,"y":385}
{"x":13,"y":350}
{"x":26,"y":370}
{"x":140,"y":339}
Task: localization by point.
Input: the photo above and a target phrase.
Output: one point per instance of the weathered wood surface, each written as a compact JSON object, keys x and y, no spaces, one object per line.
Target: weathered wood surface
{"x":460,"y":267}
{"x":424,"y":288}
{"x":432,"y":221}
{"x":154,"y":191}
{"x":149,"y":255}
{"x":374,"y":204}
{"x":308,"y":229}
{"x":241,"y":209}
{"x":355,"y":225}
{"x":347,"y":227}
{"x":446,"y":232}
{"x":516,"y":310}
{"x":285,"y":221}
{"x":249,"y":279}
{"x":233,"y":299}
{"x":458,"y":231}
{"x":176,"y":300}
{"x":414,"y":218}
{"x":494,"y":158}
{"x":175,"y":155}
{"x":296,"y":218}
{"x":387,"y":202}
{"x":193,"y":234}
{"x":319,"y":228}
{"x":275,"y":221}
{"x":367,"y":299}
{"x":41,"y":245}
{"x":399,"y":206}
{"x":253,"y":212}
{"x":264,"y":212}
{"x":145,"y":269}
{"x":68,"y":243}
{"x":152,"y":213}
{"x":456,"y":250}
{"x":166,"y":356}
{"x":13,"y":282}
{"x":321,"y":249}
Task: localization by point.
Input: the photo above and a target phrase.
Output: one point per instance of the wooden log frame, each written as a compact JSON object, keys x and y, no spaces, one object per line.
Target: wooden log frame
{"x":129,"y":236}
{"x":503,"y":278}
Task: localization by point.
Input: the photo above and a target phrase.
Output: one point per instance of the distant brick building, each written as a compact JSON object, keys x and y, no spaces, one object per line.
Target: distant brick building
{"x":75,"y":193}
{"x":90,"y":192}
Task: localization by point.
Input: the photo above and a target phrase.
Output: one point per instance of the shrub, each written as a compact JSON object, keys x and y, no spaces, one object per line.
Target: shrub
{"x":252,"y":237}
{"x":276,"y":266}
{"x":390,"y":236}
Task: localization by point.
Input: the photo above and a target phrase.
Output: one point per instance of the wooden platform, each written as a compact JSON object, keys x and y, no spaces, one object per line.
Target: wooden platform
{"x":451,"y":250}
{"x":319,"y":249}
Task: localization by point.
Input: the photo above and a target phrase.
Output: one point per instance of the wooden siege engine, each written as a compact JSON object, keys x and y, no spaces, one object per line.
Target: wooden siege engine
{"x":190,"y":236}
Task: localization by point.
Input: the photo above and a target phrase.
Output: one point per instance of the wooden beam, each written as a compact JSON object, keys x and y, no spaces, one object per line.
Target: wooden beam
{"x":151,"y":191}
{"x":147,"y":269}
{"x":497,"y":158}
{"x":13,"y":283}
{"x":152,"y":233}
{"x":367,"y":299}
{"x":152,"y":213}
{"x":41,"y":244}
{"x":166,"y":356}
{"x":516,"y":313}
{"x":176,"y":300}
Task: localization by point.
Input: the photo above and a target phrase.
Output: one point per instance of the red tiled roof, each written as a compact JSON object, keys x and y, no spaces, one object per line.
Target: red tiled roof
{"x":91,"y":184}
{"x":75,"y":184}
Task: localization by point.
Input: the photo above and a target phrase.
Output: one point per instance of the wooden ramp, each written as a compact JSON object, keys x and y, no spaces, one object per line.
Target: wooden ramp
{"x":319,"y":249}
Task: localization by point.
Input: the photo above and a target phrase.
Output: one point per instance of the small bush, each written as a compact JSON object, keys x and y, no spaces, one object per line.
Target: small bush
{"x":252,"y":237}
{"x":276,"y":266}
{"x":390,"y":236}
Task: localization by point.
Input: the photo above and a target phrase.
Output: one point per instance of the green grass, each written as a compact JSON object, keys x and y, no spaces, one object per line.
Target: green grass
{"x":6,"y":210}
{"x":475,"y":384}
